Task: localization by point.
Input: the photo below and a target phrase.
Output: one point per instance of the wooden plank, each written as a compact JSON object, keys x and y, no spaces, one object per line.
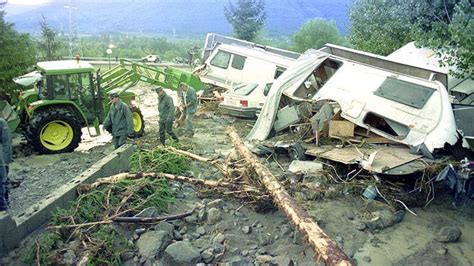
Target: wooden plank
{"x":341,"y":128}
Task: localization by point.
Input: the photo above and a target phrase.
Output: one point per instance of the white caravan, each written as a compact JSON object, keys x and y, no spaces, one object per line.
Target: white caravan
{"x":230,"y":62}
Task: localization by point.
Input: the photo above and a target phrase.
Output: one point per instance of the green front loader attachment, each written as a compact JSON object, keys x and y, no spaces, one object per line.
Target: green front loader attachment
{"x":128,"y":73}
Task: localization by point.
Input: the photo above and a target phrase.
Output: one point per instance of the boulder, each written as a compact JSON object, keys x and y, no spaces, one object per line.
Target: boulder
{"x":153,"y":243}
{"x":213,"y":216}
{"x":448,"y":234}
{"x":181,"y":253}
{"x":165,"y":226}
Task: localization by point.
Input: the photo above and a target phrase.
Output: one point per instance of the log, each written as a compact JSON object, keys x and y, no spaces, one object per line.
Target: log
{"x":152,"y":219}
{"x":188,"y":154}
{"x":122,"y":176}
{"x":322,"y":245}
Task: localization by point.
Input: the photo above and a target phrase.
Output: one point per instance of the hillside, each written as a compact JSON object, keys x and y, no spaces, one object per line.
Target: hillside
{"x":182,"y":17}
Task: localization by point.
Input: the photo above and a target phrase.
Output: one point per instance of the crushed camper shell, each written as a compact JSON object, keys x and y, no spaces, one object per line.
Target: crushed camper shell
{"x":363,"y":94}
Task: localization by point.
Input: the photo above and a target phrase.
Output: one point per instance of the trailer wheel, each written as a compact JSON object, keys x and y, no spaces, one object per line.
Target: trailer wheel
{"x":56,"y":130}
{"x":138,"y":122}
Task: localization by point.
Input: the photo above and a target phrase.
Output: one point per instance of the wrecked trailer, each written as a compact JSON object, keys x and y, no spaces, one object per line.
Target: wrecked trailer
{"x":408,"y":105}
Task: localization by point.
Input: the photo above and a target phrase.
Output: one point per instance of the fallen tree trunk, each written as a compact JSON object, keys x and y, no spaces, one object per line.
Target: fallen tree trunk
{"x":322,"y":245}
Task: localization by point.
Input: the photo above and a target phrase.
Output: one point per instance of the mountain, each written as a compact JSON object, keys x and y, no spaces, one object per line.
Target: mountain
{"x":167,"y":17}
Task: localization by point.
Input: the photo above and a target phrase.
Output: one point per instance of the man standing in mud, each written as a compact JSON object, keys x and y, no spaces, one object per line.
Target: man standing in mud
{"x":5,"y":160}
{"x":189,"y":106}
{"x":166,"y":112}
{"x":119,"y":120}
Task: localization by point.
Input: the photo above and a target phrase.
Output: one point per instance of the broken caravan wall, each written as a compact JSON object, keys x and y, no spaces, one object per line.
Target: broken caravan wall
{"x":441,"y":130}
{"x":292,"y":78}
{"x":260,"y":63}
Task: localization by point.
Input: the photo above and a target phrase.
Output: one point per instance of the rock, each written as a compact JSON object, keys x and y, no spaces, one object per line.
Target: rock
{"x":262,"y":251}
{"x":201,"y":244}
{"x":282,"y":261}
{"x":218,"y":248}
{"x":191,"y":219}
{"x":218,"y":203}
{"x":366,"y":259}
{"x":448,"y":234}
{"x":153,"y":243}
{"x":253,"y":247}
{"x":265,"y":239}
{"x":202,"y":215}
{"x":140,"y":231}
{"x":207,"y":255}
{"x":239,"y":262}
{"x":442,"y":251}
{"x":254,"y":224}
{"x":246,"y":229}
{"x":219,"y":238}
{"x":128,"y":255}
{"x":69,"y":257}
{"x":181,"y":253}
{"x":183,"y":230}
{"x":177,"y":235}
{"x":201,"y":230}
{"x":262,"y":259}
{"x":148,"y":212}
{"x":213,"y":216}
{"x":244,"y":253}
{"x":361,"y":226}
{"x":398,"y":216}
{"x":165,"y":226}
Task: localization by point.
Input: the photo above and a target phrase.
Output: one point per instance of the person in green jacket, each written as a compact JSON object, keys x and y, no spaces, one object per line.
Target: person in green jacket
{"x":166,"y":111}
{"x":189,"y":104}
{"x":5,"y":160}
{"x":119,"y":120}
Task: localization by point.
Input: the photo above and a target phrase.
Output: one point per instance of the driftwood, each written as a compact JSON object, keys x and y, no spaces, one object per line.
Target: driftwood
{"x":188,"y":154}
{"x":323,"y":246}
{"x":122,"y":176}
{"x":153,"y":219}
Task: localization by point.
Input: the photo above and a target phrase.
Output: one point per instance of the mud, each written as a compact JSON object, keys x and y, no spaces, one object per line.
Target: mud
{"x":248,"y":234}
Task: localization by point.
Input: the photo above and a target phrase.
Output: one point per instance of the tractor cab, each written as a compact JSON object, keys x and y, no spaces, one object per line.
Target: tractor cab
{"x":71,"y":81}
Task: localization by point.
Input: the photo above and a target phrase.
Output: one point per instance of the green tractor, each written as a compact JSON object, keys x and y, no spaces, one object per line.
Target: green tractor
{"x":70,"y":95}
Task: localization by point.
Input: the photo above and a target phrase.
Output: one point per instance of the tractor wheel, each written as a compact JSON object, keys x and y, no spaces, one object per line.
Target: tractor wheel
{"x":56,"y":130}
{"x":138,"y":122}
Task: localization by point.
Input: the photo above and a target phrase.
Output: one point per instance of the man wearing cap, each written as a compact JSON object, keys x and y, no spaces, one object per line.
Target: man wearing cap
{"x":189,"y":104}
{"x":166,"y":112}
{"x":119,"y":120}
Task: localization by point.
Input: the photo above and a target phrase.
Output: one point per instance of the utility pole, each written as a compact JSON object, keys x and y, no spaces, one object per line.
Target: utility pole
{"x":72,"y":35}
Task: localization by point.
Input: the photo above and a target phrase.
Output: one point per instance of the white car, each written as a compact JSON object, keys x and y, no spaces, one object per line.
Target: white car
{"x":151,"y":58}
{"x":245,"y":100}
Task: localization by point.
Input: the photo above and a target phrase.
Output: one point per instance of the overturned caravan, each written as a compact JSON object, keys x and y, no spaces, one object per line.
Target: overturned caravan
{"x":402,"y":103}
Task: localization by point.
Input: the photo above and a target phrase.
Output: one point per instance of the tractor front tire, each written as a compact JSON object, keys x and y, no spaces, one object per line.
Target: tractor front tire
{"x":138,"y":122}
{"x":56,"y":130}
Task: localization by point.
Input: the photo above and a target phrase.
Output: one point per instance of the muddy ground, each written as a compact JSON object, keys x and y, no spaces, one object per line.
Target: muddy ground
{"x":229,"y":230}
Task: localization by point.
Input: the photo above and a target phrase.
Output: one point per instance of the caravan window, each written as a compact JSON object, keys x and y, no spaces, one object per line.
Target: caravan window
{"x":221,"y":59}
{"x":279,"y":71}
{"x":238,"y":62}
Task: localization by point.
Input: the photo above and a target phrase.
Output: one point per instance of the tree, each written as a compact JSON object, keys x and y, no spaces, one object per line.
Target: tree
{"x":379,"y":26}
{"x":446,"y":26}
{"x":247,"y":18}
{"x":17,"y":56}
{"x":314,"y":34}
{"x":49,"y":43}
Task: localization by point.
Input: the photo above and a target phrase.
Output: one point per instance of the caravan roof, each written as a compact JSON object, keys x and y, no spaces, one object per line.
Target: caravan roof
{"x":257,"y":52}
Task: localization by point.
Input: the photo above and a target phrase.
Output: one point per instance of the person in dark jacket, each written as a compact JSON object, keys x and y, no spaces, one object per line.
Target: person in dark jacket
{"x":5,"y":160}
{"x":166,"y":111}
{"x":119,"y":120}
{"x":190,"y":104}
